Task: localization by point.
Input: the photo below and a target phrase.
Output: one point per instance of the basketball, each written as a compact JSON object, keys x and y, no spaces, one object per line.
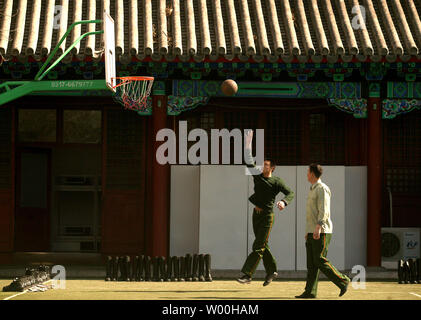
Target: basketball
{"x":229,"y":87}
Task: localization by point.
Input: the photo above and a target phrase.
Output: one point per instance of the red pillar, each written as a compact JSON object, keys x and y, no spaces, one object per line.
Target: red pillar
{"x":160,"y":182}
{"x":374,"y":182}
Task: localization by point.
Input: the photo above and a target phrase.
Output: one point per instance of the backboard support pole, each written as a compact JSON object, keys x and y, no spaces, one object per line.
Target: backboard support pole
{"x":40,"y":73}
{"x":15,"y":89}
{"x":12,"y":90}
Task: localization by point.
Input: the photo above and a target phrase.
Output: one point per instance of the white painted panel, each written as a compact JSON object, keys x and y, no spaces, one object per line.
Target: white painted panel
{"x":303,"y":187}
{"x":223,"y":215}
{"x":334,"y":177}
{"x":184,"y":211}
{"x":356,"y":216}
{"x":282,"y":237}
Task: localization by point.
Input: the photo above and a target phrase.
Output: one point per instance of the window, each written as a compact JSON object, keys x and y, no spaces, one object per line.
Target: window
{"x":38,"y":125}
{"x":327,"y":138}
{"x":125,"y":150}
{"x":199,"y":120}
{"x":402,"y":153}
{"x":6,"y":147}
{"x":204,"y":120}
{"x":283,"y":140}
{"x":82,"y":126}
{"x":241,"y":120}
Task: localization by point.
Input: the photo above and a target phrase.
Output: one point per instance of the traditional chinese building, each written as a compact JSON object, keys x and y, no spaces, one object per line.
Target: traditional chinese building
{"x":332,"y":81}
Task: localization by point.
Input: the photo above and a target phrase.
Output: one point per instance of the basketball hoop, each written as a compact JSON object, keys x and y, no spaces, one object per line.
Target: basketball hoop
{"x":133,"y":92}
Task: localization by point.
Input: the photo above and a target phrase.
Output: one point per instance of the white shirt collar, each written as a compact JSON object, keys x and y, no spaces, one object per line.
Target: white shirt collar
{"x":313,"y":185}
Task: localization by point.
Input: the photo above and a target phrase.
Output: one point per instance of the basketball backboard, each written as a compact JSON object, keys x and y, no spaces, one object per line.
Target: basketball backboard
{"x":109,"y":47}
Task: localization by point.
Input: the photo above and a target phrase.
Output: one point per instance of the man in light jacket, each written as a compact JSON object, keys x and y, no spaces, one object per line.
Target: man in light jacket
{"x":318,"y":234}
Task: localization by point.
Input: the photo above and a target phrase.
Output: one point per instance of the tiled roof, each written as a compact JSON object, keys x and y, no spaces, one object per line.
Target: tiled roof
{"x":272,"y":30}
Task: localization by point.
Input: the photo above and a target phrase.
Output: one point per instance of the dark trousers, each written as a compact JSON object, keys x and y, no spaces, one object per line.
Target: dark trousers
{"x":262,"y":225}
{"x":317,"y":261}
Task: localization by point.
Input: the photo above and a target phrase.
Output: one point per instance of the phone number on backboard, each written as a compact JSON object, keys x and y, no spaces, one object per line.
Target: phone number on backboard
{"x":72,"y":84}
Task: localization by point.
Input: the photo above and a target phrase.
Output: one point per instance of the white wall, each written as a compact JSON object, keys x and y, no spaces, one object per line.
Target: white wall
{"x":223,"y":215}
{"x":356,"y":216}
{"x":184,"y":215}
{"x":210,"y":213}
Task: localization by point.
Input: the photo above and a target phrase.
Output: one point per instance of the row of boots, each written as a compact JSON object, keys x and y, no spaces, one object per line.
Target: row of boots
{"x":145,"y":268}
{"x":409,"y":271}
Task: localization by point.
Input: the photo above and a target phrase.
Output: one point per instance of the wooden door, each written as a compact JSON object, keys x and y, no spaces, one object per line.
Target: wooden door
{"x":32,"y":227}
{"x":123,"y":206}
{"x":6,"y":178}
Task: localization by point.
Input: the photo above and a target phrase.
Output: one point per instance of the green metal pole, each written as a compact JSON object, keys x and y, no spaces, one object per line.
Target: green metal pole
{"x":51,"y":56}
{"x":15,"y":89}
{"x":26,"y":87}
{"x":65,"y":53}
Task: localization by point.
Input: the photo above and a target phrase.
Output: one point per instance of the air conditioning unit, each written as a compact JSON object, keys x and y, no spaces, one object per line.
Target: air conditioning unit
{"x":399,"y":243}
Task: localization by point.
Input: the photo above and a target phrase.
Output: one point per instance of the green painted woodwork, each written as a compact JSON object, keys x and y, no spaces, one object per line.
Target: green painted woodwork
{"x":394,"y":107}
{"x":356,"y":107}
{"x":305,"y":90}
{"x":374,"y":89}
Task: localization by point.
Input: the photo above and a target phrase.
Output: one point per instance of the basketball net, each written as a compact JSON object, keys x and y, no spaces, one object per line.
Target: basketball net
{"x":133,"y":92}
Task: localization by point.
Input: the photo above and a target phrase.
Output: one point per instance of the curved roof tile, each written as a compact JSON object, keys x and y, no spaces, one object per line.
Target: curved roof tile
{"x":276,"y":30}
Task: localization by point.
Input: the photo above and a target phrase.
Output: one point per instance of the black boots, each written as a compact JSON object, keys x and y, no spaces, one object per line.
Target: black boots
{"x":201,"y":267}
{"x":201,"y":270}
{"x":418,"y":268}
{"x":401,"y":272}
{"x":208,"y":276}
{"x":168,"y":269}
{"x":145,"y":268}
{"x":195,"y":271}
{"x":188,"y":265}
{"x":155,"y":268}
{"x":148,"y":267}
{"x":134,"y":269}
{"x":127,"y":266}
{"x":412,"y":271}
{"x":115,"y":264}
{"x":182,"y":274}
{"x":108,"y":268}
{"x":124,"y":266}
{"x":176,"y":268}
{"x":162,"y":271}
{"x":140,"y":268}
{"x":409,"y":271}
{"x":406,"y":272}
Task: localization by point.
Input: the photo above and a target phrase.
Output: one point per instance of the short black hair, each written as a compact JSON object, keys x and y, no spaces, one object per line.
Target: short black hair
{"x":272,"y":162}
{"x":316,"y":169}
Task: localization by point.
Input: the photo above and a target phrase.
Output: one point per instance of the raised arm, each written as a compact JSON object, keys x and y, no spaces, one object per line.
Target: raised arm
{"x":248,"y":156}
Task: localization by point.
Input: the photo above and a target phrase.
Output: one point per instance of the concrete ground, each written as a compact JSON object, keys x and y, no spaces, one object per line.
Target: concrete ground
{"x":216,"y":290}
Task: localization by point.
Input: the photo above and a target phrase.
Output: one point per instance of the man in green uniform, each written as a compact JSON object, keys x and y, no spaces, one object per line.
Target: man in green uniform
{"x":266,"y":187}
{"x":318,"y":234}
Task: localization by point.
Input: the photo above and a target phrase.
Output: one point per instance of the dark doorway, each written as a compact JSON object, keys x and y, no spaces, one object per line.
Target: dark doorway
{"x":32,"y":223}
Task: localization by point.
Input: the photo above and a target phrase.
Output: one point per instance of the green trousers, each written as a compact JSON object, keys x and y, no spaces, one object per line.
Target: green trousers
{"x":317,"y":261}
{"x":262,"y":225}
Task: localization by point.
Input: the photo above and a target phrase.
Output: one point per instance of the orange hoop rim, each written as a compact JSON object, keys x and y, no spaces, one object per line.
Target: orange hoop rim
{"x":135,"y":78}
{"x":131,"y":79}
